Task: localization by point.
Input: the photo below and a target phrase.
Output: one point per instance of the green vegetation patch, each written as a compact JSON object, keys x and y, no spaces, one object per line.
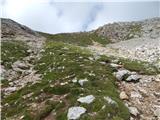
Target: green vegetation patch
{"x":140,"y":67}
{"x":133,"y":65}
{"x":81,"y":39}
{"x":59,"y":65}
{"x":12,"y":51}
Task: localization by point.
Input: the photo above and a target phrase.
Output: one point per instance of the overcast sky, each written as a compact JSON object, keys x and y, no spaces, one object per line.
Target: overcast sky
{"x":56,"y":17}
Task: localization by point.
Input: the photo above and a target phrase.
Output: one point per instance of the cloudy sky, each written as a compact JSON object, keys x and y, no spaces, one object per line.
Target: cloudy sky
{"x":66,"y":16}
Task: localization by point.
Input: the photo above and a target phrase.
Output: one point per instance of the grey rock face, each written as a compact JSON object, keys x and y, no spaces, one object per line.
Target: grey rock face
{"x":121,"y":31}
{"x":10,"y":28}
{"x":75,"y":113}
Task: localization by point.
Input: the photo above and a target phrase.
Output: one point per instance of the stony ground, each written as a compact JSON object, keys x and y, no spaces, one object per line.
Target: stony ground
{"x":143,"y":95}
{"x":144,"y":49}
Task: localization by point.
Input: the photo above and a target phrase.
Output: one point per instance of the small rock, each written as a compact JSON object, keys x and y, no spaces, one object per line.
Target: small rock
{"x":121,"y":74}
{"x":74,"y":80}
{"x":82,"y":81}
{"x":65,"y":83}
{"x":27,"y":96}
{"x":29,"y":51}
{"x":103,"y":107}
{"x":131,"y":118}
{"x":88,"y":99}
{"x":109,"y":100}
{"x":42,"y":50}
{"x":157,"y":112}
{"x":157,"y":94}
{"x":135,"y":95}
{"x":75,"y":112}
{"x":133,"y":78}
{"x":133,"y":110}
{"x":91,"y":58}
{"x":123,"y":96}
{"x":115,"y":65}
{"x":133,"y":73}
{"x":157,"y":78}
{"x":21,"y":117}
{"x":10,"y":89}
{"x":115,"y":61}
{"x":19,"y":66}
{"x":143,"y":92}
{"x":2,"y":71}
{"x":103,"y":63}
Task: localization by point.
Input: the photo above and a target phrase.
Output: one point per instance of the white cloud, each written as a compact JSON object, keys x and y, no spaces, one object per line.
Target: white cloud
{"x":124,"y":11}
{"x":55,"y":17}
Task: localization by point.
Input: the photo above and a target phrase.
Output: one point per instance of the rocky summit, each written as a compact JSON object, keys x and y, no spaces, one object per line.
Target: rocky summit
{"x":111,"y":73}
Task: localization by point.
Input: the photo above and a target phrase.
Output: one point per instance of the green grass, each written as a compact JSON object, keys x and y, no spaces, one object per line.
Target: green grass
{"x":81,"y":39}
{"x":140,"y":67}
{"x":12,"y":51}
{"x":62,"y":63}
{"x":133,"y":65}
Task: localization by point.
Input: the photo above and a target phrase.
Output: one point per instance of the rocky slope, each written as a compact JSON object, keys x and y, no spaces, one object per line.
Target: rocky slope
{"x":144,"y":47}
{"x":81,"y":75}
{"x":127,"y":30}
{"x":11,"y":30}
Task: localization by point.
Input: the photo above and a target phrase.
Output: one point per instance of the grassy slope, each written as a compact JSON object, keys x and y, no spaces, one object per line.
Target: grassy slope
{"x":81,"y":39}
{"x":12,"y":51}
{"x":134,"y":65}
{"x":140,"y":67}
{"x":62,"y":63}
